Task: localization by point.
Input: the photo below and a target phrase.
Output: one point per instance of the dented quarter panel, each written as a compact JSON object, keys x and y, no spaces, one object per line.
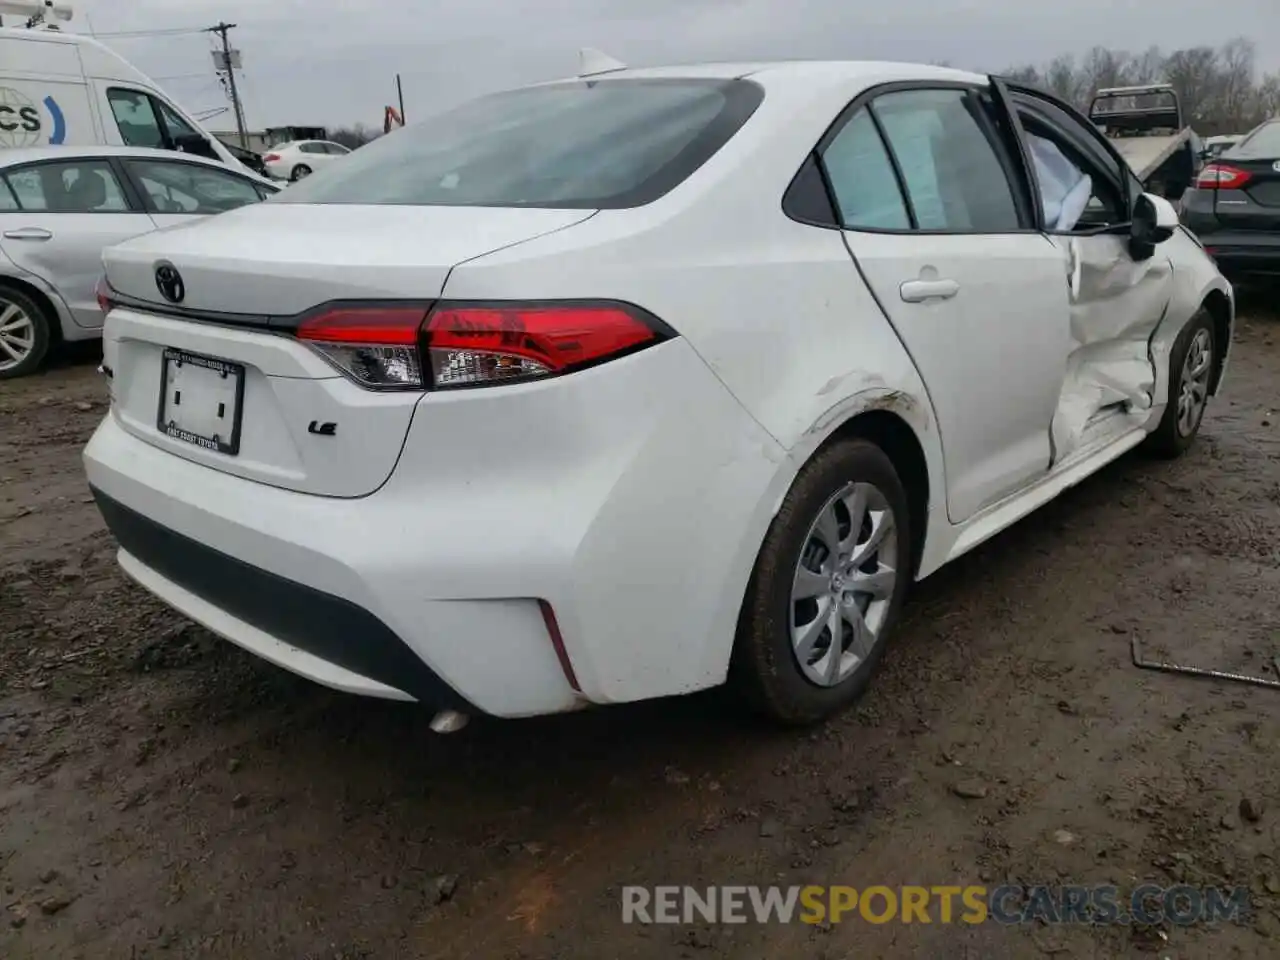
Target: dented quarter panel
{"x":1117,"y":303}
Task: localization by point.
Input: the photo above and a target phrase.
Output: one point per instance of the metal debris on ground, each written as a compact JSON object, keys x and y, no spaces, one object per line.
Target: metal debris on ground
{"x":1164,"y":667}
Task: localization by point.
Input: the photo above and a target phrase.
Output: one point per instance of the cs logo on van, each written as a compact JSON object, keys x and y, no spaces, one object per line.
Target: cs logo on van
{"x":23,"y":125}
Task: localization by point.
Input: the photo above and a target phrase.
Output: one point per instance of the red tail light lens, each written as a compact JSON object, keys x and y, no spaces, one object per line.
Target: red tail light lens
{"x":1220,"y":176}
{"x":484,"y":344}
{"x":376,"y":346}
{"x":392,"y":346}
{"x":271,"y":158}
{"x":103,"y":293}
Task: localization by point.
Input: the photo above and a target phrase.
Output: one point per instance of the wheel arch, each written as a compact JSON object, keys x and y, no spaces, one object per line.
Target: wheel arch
{"x":1220,"y":308}
{"x":895,"y":436}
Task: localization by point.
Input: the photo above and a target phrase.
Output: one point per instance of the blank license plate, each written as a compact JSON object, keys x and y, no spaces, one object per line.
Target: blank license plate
{"x":200,"y":400}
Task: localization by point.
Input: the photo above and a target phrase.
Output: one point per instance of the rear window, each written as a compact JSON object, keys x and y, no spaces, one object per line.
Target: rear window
{"x":591,"y":145}
{"x":1262,"y":144}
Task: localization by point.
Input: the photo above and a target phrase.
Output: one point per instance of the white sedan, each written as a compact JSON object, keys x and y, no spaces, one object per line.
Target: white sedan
{"x":60,"y":206}
{"x":301,"y":158}
{"x":627,"y":385}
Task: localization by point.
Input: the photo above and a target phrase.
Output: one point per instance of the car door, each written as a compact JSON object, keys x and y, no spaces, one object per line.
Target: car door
{"x":939,"y":222}
{"x":176,"y":191}
{"x":65,"y":213}
{"x":1084,"y":195}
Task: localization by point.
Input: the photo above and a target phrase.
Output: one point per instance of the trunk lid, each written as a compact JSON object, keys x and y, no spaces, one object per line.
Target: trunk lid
{"x":1255,"y":205}
{"x":217,"y":379}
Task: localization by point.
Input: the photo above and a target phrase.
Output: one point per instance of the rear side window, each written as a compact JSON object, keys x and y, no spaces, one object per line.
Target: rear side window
{"x":954,"y":178}
{"x":862,"y":178}
{"x":1262,"y":144}
{"x":76,"y":186}
{"x":595,"y":144}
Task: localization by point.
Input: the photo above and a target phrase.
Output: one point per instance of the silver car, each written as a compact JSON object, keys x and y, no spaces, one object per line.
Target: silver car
{"x":61,"y":206}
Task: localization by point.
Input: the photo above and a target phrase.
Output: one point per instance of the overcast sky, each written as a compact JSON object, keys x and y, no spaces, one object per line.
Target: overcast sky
{"x":334,"y":62}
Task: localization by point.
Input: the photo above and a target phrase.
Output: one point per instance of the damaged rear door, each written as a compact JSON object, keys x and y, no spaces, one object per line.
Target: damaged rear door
{"x":1085,"y":195}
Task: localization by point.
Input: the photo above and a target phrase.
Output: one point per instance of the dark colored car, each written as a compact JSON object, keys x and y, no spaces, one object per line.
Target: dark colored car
{"x":250,"y":159}
{"x":1234,"y":207}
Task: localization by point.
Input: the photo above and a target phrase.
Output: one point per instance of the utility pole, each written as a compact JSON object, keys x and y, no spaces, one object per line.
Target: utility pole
{"x":229,"y":64}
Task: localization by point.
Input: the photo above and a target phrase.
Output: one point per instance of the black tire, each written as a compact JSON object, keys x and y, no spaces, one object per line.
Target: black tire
{"x":1170,"y":439}
{"x":765,"y":669}
{"x":298,"y":172}
{"x":41,"y":322}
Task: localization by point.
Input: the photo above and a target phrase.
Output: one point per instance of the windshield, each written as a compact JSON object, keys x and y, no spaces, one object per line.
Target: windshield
{"x":1262,"y":144}
{"x":590,"y":144}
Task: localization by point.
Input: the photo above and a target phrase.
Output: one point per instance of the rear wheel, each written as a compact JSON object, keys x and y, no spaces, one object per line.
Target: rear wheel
{"x":827,"y":586}
{"x":1191,"y":363}
{"x":300,"y":172}
{"x":24,"y":334}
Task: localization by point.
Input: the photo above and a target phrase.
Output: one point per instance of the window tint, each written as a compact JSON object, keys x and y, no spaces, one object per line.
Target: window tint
{"x":336,"y":149}
{"x":862,"y":179}
{"x":190,"y":188}
{"x":7,"y":200}
{"x":137,"y":121}
{"x":312,"y":148}
{"x":954,"y":178}
{"x":1262,"y":144}
{"x":78,"y":186}
{"x":589,"y":144}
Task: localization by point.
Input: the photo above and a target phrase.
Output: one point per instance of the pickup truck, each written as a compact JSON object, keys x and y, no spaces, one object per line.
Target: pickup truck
{"x":1146,"y":125}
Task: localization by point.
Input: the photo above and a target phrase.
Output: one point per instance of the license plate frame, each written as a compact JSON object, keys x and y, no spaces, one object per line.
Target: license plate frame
{"x":230,"y":446}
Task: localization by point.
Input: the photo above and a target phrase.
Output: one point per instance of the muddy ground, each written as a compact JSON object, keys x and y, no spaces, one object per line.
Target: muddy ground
{"x":164,"y":795}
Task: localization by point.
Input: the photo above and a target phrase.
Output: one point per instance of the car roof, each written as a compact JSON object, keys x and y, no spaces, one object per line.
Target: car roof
{"x":14,"y":157}
{"x":795,"y":71}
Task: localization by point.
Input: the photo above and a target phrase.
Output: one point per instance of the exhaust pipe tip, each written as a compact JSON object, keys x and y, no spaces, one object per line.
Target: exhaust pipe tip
{"x":448,"y":721}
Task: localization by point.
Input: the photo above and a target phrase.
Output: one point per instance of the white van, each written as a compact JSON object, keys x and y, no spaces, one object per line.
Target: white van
{"x":65,"y":88}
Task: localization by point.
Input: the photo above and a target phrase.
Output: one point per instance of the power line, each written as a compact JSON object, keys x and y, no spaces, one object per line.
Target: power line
{"x":147,"y":34}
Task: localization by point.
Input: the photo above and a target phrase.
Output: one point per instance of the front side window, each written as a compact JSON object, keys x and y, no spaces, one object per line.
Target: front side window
{"x":599,"y":144}
{"x":136,"y":118}
{"x":177,"y":126}
{"x":862,"y":178}
{"x":312,"y":148}
{"x":191,"y":188}
{"x":336,"y":150}
{"x":77,"y":186}
{"x":954,"y":178}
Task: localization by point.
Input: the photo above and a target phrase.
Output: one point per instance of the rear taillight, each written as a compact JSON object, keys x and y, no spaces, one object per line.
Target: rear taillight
{"x":103,"y":293}
{"x":376,"y":346}
{"x":1220,"y":176}
{"x":473,"y":345}
{"x":271,"y":158}
{"x":403,"y":346}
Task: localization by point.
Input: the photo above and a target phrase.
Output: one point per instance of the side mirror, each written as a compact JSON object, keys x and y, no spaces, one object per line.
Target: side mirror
{"x":1154,"y":221}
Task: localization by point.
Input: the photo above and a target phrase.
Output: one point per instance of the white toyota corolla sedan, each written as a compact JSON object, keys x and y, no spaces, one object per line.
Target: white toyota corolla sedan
{"x":630,"y":384}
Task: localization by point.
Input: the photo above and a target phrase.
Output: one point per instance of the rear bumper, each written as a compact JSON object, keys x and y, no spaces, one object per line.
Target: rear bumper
{"x":1244,"y":257}
{"x":630,"y":498}
{"x":280,"y":619}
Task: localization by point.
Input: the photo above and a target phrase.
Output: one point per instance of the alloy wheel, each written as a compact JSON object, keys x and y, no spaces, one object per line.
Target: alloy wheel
{"x":17,"y":335}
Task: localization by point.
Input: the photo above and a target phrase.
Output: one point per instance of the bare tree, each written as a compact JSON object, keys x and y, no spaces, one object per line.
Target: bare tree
{"x":1220,"y":89}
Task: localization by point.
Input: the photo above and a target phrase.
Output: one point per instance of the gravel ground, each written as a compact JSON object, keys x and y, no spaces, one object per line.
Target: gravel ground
{"x":164,"y":795}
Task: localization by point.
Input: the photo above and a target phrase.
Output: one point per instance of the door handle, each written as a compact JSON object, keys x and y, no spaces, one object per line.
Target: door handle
{"x":28,"y":233}
{"x":918,"y":291}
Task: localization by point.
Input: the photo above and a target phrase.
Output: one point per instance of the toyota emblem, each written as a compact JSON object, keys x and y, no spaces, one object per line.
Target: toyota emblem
{"x":169,"y":282}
